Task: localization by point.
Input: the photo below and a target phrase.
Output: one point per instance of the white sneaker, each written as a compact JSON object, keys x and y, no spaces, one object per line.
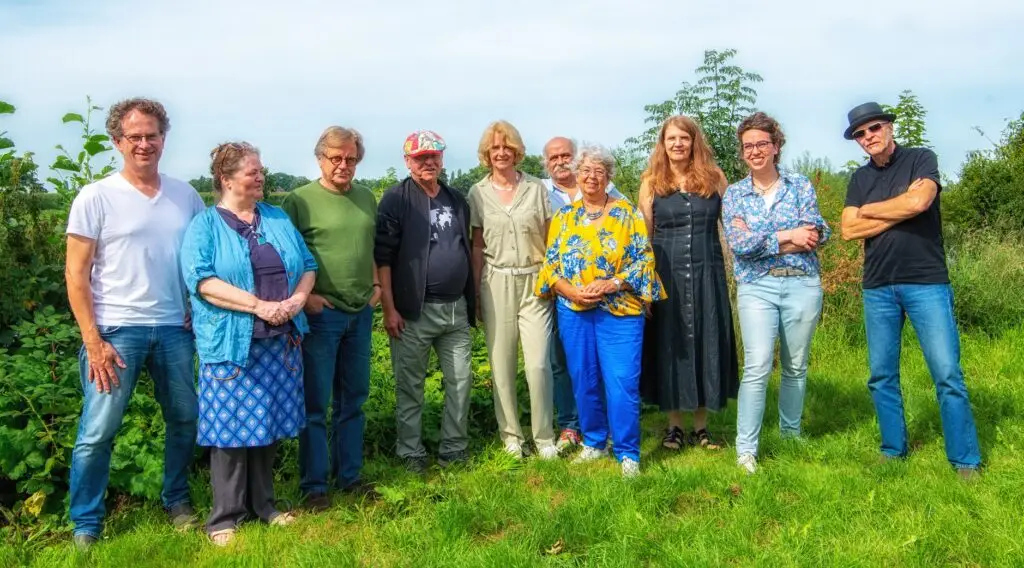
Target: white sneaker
{"x":630,"y":467}
{"x":590,"y":454}
{"x":514,"y":449}
{"x":747,"y":462}
{"x":548,"y":452}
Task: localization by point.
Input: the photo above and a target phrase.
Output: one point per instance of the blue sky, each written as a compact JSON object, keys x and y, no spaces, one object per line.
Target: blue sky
{"x":277,"y":73}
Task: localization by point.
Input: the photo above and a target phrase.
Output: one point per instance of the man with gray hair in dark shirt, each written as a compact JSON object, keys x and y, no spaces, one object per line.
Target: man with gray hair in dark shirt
{"x":892,"y":203}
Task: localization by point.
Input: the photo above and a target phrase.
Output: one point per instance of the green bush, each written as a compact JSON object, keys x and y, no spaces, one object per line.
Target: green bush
{"x":990,"y":190}
{"x":987,"y":272}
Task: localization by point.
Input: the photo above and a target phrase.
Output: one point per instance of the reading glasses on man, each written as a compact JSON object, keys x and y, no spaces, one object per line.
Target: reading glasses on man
{"x":137,"y":139}
{"x":858,"y":134}
{"x":338,"y":160}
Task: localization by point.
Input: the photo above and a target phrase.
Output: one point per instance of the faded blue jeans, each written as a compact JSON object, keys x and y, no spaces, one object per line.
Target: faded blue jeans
{"x":783,"y":308}
{"x":168,"y":353}
{"x":336,"y":357}
{"x":930,"y":310}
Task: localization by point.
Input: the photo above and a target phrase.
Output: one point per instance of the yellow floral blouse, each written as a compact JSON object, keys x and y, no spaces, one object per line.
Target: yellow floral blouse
{"x":618,"y":248}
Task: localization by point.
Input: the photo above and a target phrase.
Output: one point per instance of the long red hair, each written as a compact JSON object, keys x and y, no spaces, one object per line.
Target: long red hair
{"x":703,"y":176}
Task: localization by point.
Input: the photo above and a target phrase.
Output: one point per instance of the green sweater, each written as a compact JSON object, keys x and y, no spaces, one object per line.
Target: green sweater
{"x":339,"y":231}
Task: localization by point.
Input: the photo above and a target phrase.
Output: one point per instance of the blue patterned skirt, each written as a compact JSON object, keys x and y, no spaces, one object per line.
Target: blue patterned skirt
{"x":255,"y":405}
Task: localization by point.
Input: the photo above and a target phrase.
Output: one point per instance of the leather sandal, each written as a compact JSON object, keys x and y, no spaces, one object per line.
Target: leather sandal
{"x":703,"y":439}
{"x":223,"y":537}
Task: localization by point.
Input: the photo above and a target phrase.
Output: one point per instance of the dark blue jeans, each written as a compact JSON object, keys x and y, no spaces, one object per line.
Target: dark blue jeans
{"x":168,"y":353}
{"x":930,"y":310}
{"x":566,"y":416}
{"x":336,"y":357}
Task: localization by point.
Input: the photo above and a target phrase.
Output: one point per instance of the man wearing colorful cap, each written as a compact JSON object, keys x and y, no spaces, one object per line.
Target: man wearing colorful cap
{"x":892,"y":202}
{"x":422,"y":251}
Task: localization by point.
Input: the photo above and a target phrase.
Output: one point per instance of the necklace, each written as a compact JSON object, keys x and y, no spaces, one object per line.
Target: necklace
{"x":506,"y":187}
{"x":765,"y":190}
{"x":596,"y":214}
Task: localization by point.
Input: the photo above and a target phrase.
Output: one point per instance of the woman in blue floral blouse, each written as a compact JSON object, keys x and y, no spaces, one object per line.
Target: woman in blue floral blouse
{"x":774,"y":229}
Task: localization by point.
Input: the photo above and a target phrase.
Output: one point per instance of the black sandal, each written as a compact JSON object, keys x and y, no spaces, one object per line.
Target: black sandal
{"x":674,"y":438}
{"x":703,"y":439}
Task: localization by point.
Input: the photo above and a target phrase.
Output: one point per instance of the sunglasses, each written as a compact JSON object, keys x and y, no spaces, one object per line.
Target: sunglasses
{"x":858,"y":134}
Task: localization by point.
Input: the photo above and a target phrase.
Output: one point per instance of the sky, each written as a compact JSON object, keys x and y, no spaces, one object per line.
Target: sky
{"x":277,"y":73}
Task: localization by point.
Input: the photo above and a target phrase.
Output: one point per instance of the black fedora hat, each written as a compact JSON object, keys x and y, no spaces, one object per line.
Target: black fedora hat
{"x":862,"y":114}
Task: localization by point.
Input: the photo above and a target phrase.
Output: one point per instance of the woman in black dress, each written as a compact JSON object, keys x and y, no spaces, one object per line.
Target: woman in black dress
{"x":690,"y":360}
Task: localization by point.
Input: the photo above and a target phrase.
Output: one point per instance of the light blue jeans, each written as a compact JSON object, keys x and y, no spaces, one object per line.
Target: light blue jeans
{"x":929,"y":307}
{"x":783,"y":308}
{"x":168,"y":352}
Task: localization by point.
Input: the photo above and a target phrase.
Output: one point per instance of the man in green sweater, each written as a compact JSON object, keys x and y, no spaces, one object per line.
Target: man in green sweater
{"x":337,"y":221}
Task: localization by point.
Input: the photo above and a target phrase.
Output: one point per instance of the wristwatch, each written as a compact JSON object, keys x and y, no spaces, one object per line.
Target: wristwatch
{"x":618,"y":284}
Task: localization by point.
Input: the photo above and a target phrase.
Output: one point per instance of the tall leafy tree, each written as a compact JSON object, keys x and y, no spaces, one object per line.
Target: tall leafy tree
{"x":721,"y":97}
{"x":909,"y":124}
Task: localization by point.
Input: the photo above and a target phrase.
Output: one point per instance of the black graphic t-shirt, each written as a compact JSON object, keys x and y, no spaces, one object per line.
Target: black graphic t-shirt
{"x":447,"y":263}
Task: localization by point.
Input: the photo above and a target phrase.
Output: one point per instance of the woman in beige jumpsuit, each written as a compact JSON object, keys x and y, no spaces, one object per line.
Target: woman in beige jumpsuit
{"x":509,"y":214}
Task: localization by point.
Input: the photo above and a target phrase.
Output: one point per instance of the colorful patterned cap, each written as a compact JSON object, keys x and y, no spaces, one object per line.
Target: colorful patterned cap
{"x":424,"y":142}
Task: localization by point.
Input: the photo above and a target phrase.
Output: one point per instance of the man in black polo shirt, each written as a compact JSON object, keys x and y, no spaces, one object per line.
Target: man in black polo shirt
{"x":893,"y":204}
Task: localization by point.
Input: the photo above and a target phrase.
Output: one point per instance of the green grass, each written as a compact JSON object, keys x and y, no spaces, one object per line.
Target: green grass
{"x":824,"y":501}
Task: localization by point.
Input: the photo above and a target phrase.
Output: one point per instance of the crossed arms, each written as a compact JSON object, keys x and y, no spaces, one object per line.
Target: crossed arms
{"x":875,"y":218}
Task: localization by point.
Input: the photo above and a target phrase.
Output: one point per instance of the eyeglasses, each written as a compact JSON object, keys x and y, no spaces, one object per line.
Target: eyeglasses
{"x":760,"y":146}
{"x":596,"y":172}
{"x":858,"y":134}
{"x":338,"y":160}
{"x":137,"y":139}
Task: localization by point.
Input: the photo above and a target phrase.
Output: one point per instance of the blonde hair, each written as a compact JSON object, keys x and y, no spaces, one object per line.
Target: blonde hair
{"x":703,"y":176}
{"x":512,"y":140}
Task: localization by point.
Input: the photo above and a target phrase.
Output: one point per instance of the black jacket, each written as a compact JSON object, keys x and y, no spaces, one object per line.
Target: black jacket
{"x":403,"y":244}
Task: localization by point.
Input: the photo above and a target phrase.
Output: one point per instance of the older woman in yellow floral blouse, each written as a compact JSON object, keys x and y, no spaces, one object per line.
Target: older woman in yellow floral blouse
{"x":600,"y":265}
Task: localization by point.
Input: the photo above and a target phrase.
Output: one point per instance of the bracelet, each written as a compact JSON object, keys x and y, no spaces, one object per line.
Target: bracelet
{"x":377,"y":285}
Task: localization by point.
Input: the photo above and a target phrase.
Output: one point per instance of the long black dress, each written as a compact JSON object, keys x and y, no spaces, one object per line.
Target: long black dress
{"x":689,"y":347}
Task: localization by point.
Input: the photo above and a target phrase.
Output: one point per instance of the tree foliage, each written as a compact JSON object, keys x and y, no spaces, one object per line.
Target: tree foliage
{"x":721,"y":97}
{"x":990,"y":190}
{"x":909,"y":125}
{"x":532,"y":164}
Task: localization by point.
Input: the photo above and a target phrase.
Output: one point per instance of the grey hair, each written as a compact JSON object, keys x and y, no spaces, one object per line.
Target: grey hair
{"x":117,"y":113}
{"x":596,"y":153}
{"x":572,"y":145}
{"x":337,"y":135}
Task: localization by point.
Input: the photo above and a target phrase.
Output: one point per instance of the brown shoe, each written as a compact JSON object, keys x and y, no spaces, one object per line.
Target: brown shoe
{"x":317,"y":502}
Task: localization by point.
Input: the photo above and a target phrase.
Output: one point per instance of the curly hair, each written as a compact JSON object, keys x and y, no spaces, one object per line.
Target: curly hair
{"x":703,"y":176}
{"x":226,"y":159}
{"x":115,"y":118}
{"x":764,"y":123}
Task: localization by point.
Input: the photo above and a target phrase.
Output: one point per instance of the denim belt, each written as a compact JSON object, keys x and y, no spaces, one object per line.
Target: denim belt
{"x":786,"y":271}
{"x":514,"y":271}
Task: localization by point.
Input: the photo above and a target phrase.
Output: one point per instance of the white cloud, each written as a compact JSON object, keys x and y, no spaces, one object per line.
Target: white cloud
{"x":277,"y":73}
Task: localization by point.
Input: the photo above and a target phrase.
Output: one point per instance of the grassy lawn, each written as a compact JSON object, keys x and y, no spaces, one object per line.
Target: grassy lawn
{"x":822,"y":501}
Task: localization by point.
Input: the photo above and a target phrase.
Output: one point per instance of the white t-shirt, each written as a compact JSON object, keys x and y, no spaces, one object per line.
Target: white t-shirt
{"x":136,"y":277}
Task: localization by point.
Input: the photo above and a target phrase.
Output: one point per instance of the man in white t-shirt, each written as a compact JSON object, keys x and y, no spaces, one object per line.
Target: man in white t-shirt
{"x":125,"y":288}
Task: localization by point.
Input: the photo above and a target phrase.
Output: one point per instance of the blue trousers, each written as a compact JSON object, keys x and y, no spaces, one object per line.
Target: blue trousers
{"x":930,"y":310}
{"x":168,"y":353}
{"x":602,"y":353}
{"x":336,"y":357}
